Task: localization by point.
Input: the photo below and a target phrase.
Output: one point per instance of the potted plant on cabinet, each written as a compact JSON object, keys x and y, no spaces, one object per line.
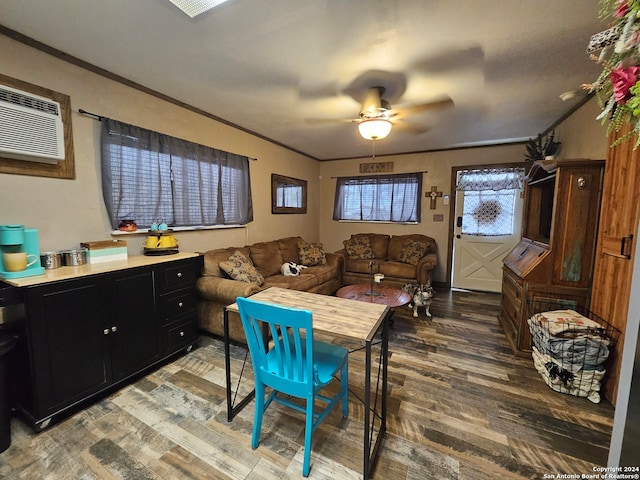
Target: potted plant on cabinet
{"x":540,"y":148}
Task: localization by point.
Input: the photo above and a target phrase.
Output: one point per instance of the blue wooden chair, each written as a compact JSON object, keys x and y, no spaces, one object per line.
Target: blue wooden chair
{"x":292,"y":364}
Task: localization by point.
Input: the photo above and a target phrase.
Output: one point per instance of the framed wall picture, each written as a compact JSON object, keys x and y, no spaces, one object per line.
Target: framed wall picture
{"x":288,"y":195}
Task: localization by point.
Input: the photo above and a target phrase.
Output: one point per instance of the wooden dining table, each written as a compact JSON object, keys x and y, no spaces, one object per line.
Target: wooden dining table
{"x":360,"y":323}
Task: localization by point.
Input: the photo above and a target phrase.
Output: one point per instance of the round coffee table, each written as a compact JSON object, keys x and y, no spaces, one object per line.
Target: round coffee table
{"x":389,"y":296}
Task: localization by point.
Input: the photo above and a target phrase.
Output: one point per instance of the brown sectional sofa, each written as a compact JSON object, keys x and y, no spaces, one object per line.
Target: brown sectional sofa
{"x":395,"y":257}
{"x":217,"y":289}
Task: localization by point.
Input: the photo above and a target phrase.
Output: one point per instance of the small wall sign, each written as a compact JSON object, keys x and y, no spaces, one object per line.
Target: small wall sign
{"x":376,"y":167}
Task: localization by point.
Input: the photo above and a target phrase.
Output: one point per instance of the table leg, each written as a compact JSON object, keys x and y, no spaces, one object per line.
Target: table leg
{"x":367,"y":411}
{"x":232,"y":410}
{"x":384,"y":356}
{"x":371,"y":449}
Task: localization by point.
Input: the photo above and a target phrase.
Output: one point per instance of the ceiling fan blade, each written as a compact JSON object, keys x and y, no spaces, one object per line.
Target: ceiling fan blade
{"x":372,"y":102}
{"x":411,"y":128}
{"x":444,"y":102}
{"x":393,"y":83}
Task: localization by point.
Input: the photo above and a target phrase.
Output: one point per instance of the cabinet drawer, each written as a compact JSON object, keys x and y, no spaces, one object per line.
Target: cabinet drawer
{"x":178,"y":304}
{"x":510,"y":314}
{"x":512,"y":287}
{"x":178,"y":335}
{"x":507,"y":324}
{"x":180,"y":275}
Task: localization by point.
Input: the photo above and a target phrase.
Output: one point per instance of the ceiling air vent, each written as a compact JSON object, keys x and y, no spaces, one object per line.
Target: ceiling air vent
{"x":30,"y":127}
{"x":193,"y":8}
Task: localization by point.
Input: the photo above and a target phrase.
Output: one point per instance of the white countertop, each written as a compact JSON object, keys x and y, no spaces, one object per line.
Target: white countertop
{"x":65,"y":273}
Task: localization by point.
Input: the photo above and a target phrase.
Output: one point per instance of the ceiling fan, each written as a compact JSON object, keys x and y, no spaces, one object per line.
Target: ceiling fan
{"x":377,"y":117}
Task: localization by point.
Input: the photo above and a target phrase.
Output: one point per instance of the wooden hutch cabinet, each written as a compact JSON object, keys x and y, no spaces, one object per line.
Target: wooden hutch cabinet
{"x":554,"y":260}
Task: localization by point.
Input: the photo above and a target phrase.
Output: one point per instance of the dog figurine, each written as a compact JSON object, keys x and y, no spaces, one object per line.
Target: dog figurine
{"x":421,"y":296}
{"x":291,"y":269}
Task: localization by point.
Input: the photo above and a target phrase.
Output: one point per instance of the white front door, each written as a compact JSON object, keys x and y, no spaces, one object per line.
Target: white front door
{"x":487,"y":226}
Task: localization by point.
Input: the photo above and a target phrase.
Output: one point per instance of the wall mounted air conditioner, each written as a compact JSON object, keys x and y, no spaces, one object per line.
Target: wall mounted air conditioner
{"x":30,"y":127}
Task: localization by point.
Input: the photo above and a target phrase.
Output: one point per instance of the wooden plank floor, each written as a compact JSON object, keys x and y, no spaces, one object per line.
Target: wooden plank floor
{"x":461,"y":406}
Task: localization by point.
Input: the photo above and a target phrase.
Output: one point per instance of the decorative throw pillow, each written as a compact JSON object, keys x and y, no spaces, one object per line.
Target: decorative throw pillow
{"x":412,"y":252}
{"x":240,"y":268}
{"x":359,"y":248}
{"x":266,"y":257}
{"x":311,"y":254}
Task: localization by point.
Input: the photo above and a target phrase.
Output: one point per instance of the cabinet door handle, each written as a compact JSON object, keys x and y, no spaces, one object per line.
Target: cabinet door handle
{"x":179,"y":304}
{"x":182,"y":334}
{"x":179,"y":274}
{"x":114,"y":329}
{"x":625,"y":246}
{"x":106,"y":331}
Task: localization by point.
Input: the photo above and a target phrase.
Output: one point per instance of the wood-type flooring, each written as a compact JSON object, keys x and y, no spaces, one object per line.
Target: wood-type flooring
{"x":461,"y":406}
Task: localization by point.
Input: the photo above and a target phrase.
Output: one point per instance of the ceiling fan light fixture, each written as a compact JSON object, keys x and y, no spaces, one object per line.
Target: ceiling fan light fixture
{"x":374,"y":128}
{"x":193,"y":8}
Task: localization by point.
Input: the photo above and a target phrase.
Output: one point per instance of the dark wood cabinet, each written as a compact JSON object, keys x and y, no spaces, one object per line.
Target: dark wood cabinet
{"x":62,"y":348}
{"x":553,"y":263}
{"x":84,"y":336}
{"x":132,"y":316}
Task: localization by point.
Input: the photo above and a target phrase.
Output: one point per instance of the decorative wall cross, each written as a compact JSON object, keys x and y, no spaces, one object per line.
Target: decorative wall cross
{"x":434,"y":194}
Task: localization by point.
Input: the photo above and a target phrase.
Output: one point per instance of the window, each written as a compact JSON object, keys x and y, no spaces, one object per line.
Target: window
{"x":489,"y":200}
{"x":149,"y":177}
{"x":288,"y":195}
{"x":379,"y":198}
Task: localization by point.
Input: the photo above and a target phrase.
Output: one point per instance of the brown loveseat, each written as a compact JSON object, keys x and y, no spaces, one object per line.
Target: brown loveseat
{"x":400,"y":258}
{"x":217,"y":289}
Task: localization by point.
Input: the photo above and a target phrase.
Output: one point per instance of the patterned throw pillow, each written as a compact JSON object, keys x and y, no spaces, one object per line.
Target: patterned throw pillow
{"x":240,"y":268}
{"x":412,"y":252}
{"x":311,"y":254}
{"x":359,"y":248}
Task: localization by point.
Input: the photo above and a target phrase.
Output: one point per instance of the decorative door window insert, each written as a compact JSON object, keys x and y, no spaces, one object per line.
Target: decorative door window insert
{"x":489,"y":200}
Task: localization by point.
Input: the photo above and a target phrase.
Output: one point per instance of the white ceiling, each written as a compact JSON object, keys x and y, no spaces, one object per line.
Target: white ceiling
{"x":270,"y":66}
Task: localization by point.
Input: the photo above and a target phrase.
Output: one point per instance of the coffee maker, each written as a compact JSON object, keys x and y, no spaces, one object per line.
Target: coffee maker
{"x":16,"y":238}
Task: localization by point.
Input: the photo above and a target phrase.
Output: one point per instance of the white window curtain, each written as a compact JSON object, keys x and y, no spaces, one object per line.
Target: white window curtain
{"x":384,"y":198}
{"x":148,"y":176}
{"x":490,"y":179}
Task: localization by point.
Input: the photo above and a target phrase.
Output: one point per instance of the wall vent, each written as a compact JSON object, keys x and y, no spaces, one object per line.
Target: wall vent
{"x":31,"y":127}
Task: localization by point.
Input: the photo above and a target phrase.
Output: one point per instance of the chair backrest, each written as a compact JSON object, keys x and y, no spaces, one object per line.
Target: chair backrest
{"x":286,"y":363}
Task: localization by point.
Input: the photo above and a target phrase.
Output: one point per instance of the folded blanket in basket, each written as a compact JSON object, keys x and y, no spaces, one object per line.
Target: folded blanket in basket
{"x":584,"y":351}
{"x":584,"y":383}
{"x":573,"y":340}
{"x":581,"y":353}
{"x":565,"y":321}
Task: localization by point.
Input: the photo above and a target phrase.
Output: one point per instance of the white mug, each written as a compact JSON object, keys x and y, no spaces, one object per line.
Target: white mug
{"x":378,"y":277}
{"x":17,"y":261}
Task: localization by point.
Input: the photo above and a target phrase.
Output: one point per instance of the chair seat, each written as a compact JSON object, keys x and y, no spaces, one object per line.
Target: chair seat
{"x":327,"y":360}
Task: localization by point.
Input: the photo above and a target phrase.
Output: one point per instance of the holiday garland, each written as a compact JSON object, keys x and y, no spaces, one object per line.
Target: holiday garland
{"x":618,"y":86}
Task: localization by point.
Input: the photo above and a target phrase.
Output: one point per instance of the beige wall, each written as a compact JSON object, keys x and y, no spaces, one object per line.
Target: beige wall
{"x":581,"y":137}
{"x":67,"y":212}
